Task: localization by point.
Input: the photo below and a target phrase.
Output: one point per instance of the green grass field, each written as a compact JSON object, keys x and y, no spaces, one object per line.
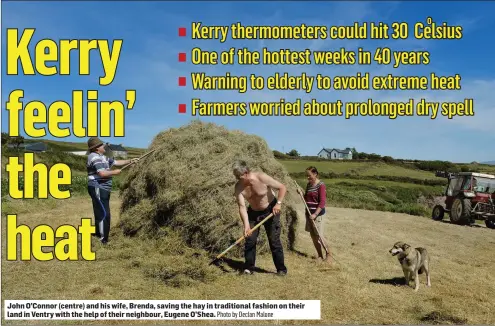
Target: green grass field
{"x":361,"y":286}
{"x":355,"y":187}
{"x":358,"y":168}
{"x":380,"y":195}
{"x":482,"y":168}
{"x":378,"y":185}
{"x":63,"y":146}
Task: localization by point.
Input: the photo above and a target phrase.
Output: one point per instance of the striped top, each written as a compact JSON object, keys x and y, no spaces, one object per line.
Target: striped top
{"x":99,"y":162}
{"x":315,"y":196}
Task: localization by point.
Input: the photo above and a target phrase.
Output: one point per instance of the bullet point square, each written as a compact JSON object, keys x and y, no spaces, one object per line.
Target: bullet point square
{"x":182,"y":81}
{"x":182,"y":108}
{"x":182,"y":31}
{"x":182,"y":57}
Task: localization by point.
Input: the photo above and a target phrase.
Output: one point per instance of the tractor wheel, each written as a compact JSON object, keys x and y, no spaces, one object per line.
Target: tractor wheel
{"x":438,"y":213}
{"x":490,"y":224}
{"x":461,"y":211}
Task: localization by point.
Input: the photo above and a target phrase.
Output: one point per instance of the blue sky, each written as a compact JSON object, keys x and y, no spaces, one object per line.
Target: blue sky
{"x":149,"y":64}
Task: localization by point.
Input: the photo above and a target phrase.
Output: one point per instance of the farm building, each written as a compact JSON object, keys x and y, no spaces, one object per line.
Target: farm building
{"x":117,"y":150}
{"x":336,"y":154}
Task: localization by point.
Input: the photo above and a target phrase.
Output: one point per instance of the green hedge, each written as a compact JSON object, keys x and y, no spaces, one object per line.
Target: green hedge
{"x":333,"y":175}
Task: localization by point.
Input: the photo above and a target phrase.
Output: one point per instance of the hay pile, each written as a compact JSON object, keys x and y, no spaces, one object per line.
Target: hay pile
{"x":187,"y":187}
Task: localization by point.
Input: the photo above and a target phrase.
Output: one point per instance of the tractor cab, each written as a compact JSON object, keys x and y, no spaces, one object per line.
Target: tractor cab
{"x":470,"y":184}
{"x":469,"y":196}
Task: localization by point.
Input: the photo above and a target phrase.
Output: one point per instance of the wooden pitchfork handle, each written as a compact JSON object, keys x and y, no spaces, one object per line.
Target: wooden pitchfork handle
{"x":240,"y":239}
{"x":139,"y":158}
{"x":312,"y":221}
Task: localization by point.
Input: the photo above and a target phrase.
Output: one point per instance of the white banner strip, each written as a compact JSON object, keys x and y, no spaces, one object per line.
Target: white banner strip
{"x":162,"y":309}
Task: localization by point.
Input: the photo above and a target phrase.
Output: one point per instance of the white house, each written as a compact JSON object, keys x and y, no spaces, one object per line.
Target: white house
{"x":118,"y":151}
{"x":336,"y":154}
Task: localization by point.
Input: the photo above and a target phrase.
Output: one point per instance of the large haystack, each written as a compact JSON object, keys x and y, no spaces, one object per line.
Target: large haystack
{"x":187,"y":186}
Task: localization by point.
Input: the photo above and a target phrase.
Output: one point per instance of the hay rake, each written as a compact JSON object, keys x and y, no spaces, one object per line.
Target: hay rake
{"x":240,"y":239}
{"x":140,"y":158}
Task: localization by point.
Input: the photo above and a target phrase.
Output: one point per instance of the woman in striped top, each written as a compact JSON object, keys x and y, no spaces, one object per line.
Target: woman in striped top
{"x":315,"y":198}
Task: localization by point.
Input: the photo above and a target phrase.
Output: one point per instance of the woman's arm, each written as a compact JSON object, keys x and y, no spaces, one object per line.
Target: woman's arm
{"x":322,"y":195}
{"x":108,"y":173}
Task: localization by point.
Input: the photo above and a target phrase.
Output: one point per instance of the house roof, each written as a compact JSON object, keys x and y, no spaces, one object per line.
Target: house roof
{"x":117,"y":148}
{"x":342,"y":151}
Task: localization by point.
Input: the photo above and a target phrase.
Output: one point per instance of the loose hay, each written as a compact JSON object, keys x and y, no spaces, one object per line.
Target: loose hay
{"x":187,"y":186}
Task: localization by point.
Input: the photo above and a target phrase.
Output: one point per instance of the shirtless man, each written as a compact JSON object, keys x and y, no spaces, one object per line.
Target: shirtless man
{"x":256,"y":189}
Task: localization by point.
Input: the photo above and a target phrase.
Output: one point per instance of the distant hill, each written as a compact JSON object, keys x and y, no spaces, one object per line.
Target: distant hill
{"x":65,"y":146}
{"x":489,"y":162}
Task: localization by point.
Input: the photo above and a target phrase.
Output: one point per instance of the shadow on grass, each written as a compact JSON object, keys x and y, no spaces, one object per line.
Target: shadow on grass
{"x":300,"y":253}
{"x":474,"y":225}
{"x":396,"y":281}
{"x":237,"y":265}
{"x":436,"y":318}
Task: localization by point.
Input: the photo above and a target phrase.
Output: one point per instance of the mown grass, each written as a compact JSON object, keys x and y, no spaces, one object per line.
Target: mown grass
{"x":362,"y":286}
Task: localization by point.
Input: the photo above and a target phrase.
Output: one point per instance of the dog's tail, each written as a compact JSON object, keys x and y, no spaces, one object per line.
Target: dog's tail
{"x":422,"y":252}
{"x":421,"y":249}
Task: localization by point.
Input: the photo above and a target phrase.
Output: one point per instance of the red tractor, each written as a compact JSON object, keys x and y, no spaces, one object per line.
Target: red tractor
{"x":470,"y":196}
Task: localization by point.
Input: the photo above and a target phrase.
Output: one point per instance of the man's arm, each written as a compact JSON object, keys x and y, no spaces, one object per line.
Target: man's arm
{"x":242,"y":207}
{"x":272,"y":183}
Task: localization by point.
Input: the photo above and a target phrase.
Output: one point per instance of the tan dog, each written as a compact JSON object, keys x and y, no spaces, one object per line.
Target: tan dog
{"x":414,"y":261}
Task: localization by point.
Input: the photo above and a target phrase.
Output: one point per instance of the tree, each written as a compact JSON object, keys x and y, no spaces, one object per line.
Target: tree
{"x":17,"y":141}
{"x":374,"y":157}
{"x":278,"y":154}
{"x":355,"y":154}
{"x":293,"y":153}
{"x":5,"y":138}
{"x":388,"y":159}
